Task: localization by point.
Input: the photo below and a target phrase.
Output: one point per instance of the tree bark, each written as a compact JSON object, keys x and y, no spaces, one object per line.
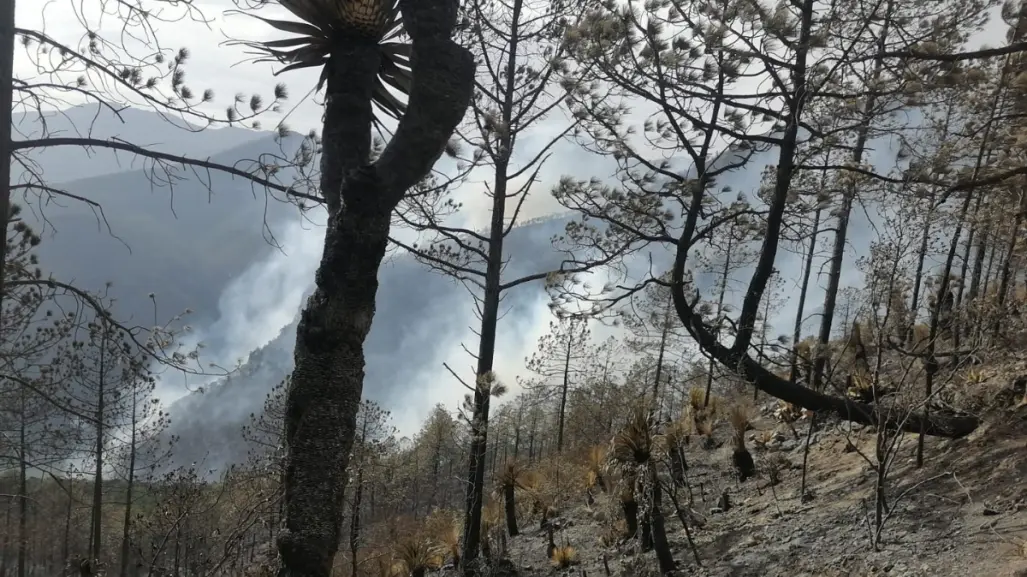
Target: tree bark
{"x":807,"y":269}
{"x":659,"y":531}
{"x":325,"y":390}
{"x":510,"y":506}
{"x":490,"y":313}
{"x":126,"y":530}
{"x":845,"y":212}
{"x":97,"y":509}
{"x":7,"y":44}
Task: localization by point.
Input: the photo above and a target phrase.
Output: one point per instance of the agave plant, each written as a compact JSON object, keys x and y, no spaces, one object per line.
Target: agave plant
{"x":325,"y":24}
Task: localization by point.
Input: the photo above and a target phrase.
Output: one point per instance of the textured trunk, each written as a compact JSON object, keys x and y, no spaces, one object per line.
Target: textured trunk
{"x":126,"y":530}
{"x":807,"y":269}
{"x":6,"y":95}
{"x":720,"y":308}
{"x":510,"y":506}
{"x":324,"y":392}
{"x":630,"y":509}
{"x":563,"y":392}
{"x":844,"y":212}
{"x":659,"y":531}
{"x":97,"y":511}
{"x":490,"y":311}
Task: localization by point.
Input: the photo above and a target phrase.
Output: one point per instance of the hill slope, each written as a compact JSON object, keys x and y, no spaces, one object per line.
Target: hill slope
{"x":421,"y":318}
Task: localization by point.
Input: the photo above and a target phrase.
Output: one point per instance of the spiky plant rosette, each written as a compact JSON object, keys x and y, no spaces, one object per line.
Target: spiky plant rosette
{"x":636,"y":442}
{"x":325,"y":24}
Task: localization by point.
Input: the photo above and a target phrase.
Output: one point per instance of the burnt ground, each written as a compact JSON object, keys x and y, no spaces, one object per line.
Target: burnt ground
{"x":963,"y":514}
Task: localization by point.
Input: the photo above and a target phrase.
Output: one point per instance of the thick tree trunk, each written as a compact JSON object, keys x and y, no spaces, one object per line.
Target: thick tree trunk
{"x":510,"y":507}
{"x":659,"y":531}
{"x":325,"y":390}
{"x":7,"y":44}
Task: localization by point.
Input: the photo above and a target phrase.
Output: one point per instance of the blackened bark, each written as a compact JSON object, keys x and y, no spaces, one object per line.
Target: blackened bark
{"x":127,"y":526}
{"x":490,"y":313}
{"x":563,"y":392}
{"x":510,"y":505}
{"x":842,"y":225}
{"x":6,"y":95}
{"x":658,"y":527}
{"x":97,"y":519}
{"x":807,"y":269}
{"x":325,"y":390}
{"x":630,"y":509}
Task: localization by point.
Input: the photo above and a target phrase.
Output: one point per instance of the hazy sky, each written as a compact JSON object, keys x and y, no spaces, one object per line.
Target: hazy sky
{"x":284,"y":276}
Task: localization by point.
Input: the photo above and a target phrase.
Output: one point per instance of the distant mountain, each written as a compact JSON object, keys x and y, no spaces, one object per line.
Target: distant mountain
{"x":421,"y":318}
{"x":183,"y":242}
{"x":173,"y":135}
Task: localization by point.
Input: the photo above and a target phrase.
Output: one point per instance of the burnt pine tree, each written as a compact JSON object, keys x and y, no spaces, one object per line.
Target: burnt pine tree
{"x":346,"y":39}
{"x":561,"y":357}
{"x":660,"y":208}
{"x":519,"y":43}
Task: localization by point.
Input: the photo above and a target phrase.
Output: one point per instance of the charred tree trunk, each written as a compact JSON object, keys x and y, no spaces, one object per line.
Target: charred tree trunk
{"x":127,"y":527}
{"x":807,"y":269}
{"x":490,"y":313}
{"x":658,"y":527}
{"x":327,"y":382}
{"x":844,"y":213}
{"x":510,"y":507}
{"x":7,"y":43}
{"x":97,"y":510}
{"x":23,"y":494}
{"x":1003,"y":285}
{"x":630,"y":510}
{"x":563,"y":393}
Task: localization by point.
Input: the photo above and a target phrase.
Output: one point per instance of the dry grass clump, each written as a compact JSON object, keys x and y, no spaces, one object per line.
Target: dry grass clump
{"x":418,"y":554}
{"x":595,"y":468}
{"x":740,"y":415}
{"x":444,"y":527}
{"x":564,"y":557}
{"x":702,"y":419}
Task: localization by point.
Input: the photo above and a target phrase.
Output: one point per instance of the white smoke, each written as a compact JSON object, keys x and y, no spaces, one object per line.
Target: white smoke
{"x":256,"y":305}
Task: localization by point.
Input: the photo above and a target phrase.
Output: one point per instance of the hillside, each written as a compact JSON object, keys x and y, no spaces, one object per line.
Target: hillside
{"x":149,"y":231}
{"x":964,"y":513}
{"x":421,"y":317}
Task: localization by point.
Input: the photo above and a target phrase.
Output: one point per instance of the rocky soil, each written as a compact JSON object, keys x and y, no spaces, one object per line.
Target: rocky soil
{"x":963,"y":514}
